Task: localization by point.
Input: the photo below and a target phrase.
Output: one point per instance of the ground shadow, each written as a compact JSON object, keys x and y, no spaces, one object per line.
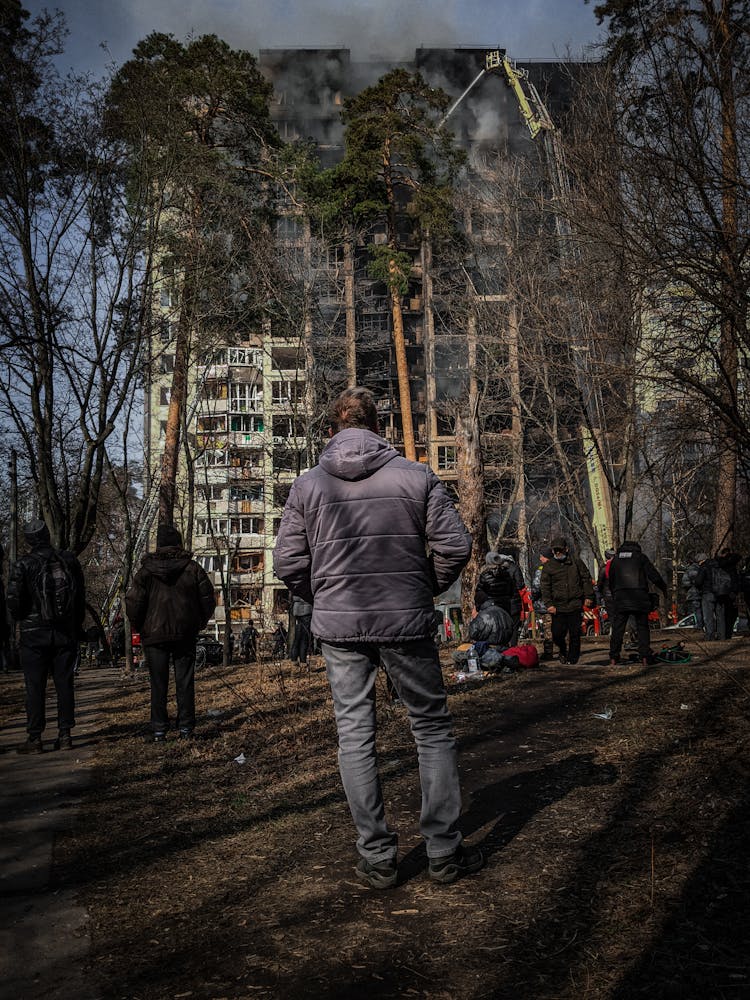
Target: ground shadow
{"x":510,"y":807}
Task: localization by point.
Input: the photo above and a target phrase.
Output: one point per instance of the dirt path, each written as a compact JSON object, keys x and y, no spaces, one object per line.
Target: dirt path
{"x":617,"y":847}
{"x":44,"y":937}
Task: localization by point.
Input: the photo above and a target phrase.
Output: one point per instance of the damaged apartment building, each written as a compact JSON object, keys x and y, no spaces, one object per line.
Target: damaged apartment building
{"x":258,"y":419}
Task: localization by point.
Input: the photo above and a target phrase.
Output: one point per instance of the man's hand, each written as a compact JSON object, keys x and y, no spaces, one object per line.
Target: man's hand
{"x":588,"y":603}
{"x":551,"y":609}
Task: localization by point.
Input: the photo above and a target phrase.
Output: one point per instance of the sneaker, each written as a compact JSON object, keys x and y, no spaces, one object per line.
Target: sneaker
{"x":32,"y":745}
{"x":383,"y":875}
{"x":464,"y":861}
{"x":64,"y":741}
{"x":562,"y":658}
{"x":186,"y":734}
{"x":157,"y":737}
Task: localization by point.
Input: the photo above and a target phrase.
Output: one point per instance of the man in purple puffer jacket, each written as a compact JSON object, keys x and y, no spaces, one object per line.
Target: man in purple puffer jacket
{"x":368,"y":538}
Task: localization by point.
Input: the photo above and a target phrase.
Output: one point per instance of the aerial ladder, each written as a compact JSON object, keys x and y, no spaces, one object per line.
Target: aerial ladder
{"x":537,"y":119}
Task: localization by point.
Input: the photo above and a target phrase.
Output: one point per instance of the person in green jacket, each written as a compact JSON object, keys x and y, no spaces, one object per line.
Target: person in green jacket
{"x":566,"y":588}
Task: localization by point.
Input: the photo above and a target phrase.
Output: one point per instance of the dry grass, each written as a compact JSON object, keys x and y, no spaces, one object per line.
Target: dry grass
{"x":617,"y":849}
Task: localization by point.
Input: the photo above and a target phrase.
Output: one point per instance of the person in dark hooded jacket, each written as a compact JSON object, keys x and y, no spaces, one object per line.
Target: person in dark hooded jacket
{"x":566,"y":587}
{"x":630,"y":572}
{"x":369,"y":538}
{"x":169,"y":602}
{"x":501,"y":580}
{"x":46,"y":595}
{"x":492,"y":624}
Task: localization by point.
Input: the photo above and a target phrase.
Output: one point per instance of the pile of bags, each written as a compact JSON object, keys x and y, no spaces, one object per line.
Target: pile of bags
{"x":496,"y":660}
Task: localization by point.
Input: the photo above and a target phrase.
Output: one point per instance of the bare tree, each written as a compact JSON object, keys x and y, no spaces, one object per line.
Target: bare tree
{"x":196,"y":120}
{"x":671,"y":104}
{"x":74,"y":281}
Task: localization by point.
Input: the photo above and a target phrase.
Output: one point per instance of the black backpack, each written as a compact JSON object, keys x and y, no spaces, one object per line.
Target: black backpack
{"x":55,"y":590}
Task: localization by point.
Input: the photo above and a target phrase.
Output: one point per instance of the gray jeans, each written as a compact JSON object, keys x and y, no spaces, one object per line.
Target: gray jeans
{"x":414,"y":668}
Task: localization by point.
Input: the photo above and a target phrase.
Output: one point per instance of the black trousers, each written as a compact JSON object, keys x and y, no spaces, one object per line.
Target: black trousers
{"x":158,"y":657}
{"x":37,"y":664}
{"x":566,"y":634}
{"x":620,"y":623}
{"x":301,"y":640}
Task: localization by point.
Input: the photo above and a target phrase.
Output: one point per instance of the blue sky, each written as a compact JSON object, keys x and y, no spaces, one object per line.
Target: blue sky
{"x":392,"y":28}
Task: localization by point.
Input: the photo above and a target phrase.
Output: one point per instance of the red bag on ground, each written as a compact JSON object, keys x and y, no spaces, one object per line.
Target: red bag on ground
{"x":527,"y":654}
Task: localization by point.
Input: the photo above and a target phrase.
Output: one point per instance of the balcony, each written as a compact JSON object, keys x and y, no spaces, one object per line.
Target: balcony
{"x":244,"y":473}
{"x":236,"y":408}
{"x":215,"y":370}
{"x":251,"y":439}
{"x":211,"y":407}
{"x":247,"y":578}
{"x":245,"y":507}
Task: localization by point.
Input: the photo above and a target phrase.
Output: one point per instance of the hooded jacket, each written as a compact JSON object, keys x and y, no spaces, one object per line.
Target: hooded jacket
{"x":492,"y":624}
{"x":501,"y":580}
{"x":630,"y":573}
{"x":24,"y":600}
{"x":354,"y":540}
{"x":171,"y":597}
{"x":565,"y":584}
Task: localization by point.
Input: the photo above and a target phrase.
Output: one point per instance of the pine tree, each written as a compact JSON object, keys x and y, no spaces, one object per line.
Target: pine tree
{"x":197,"y":122}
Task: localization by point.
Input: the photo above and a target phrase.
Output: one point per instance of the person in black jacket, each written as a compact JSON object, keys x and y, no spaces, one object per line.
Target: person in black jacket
{"x":630,"y":573}
{"x":169,"y":602}
{"x":249,"y":643}
{"x":566,"y":587}
{"x":302,"y":615}
{"x":501,"y":581}
{"x":492,"y":624}
{"x":46,"y":595}
{"x":728,"y":563}
{"x":713,"y":583}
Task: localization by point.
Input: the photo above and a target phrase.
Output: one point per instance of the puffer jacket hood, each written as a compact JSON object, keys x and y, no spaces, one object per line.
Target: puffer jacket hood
{"x":499,"y":559}
{"x":355,"y":453}
{"x":167,"y":564}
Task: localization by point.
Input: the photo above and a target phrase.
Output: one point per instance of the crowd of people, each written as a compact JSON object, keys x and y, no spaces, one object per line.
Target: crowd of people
{"x":561,"y":591}
{"x":713,"y":586}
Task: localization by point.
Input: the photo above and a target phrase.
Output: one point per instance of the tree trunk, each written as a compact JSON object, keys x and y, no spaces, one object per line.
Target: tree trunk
{"x":190,"y":487}
{"x":402,"y":367}
{"x":349,"y":311}
{"x":519,"y":469}
{"x":177,"y":402}
{"x":471,"y":475}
